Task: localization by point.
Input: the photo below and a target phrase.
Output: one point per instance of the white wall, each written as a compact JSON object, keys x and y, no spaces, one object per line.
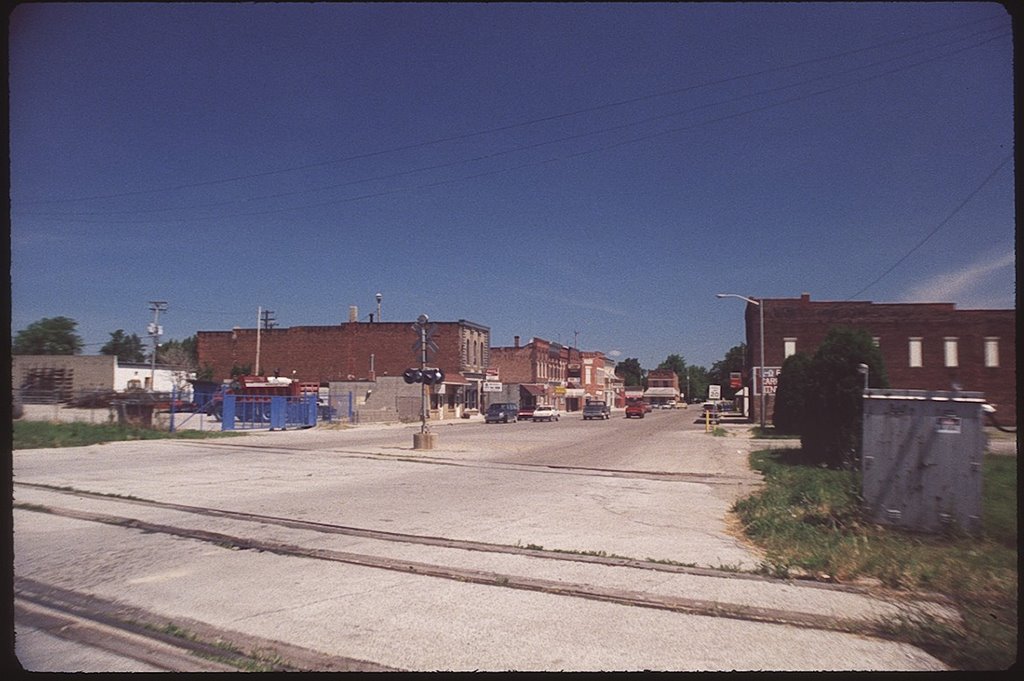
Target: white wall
{"x":164,"y":379}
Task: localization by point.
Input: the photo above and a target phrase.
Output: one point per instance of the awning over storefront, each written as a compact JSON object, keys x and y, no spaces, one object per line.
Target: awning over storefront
{"x":455,"y":378}
{"x":533,"y":389}
{"x":661,"y":392}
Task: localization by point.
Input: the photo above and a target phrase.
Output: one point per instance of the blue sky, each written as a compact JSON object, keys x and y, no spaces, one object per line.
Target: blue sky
{"x":590,"y":173}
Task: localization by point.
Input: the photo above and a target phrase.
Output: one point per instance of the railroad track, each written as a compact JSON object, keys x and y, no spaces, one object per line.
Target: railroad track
{"x":432,"y":459}
{"x":183,"y":645}
{"x":620,"y":596}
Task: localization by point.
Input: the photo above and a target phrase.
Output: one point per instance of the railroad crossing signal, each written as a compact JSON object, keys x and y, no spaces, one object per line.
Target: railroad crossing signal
{"x":424,"y":336}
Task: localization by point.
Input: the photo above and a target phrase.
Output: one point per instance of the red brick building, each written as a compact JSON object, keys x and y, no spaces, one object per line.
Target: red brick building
{"x":553,"y":373}
{"x":925,"y":346}
{"x":662,"y":387}
{"x":350,"y":352}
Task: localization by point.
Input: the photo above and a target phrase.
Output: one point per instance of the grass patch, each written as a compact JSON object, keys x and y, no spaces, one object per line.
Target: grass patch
{"x":807,"y":518}
{"x":769,"y":433}
{"x":44,"y":434}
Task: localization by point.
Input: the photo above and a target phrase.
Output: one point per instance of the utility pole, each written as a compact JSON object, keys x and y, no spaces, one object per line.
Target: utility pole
{"x":259,"y":315}
{"x":264,"y":322}
{"x":267,"y":319}
{"x":155,"y":331}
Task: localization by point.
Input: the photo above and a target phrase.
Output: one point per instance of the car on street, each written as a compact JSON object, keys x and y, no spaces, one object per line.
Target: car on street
{"x":635,"y":409}
{"x":545,"y":412}
{"x":710,"y":412}
{"x":502,"y":412}
{"x":596,"y":409}
{"x":525,"y":412}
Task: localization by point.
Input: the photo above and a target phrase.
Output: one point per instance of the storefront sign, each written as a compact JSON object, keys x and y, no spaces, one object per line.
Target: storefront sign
{"x":771,"y":380}
{"x":491,"y":387}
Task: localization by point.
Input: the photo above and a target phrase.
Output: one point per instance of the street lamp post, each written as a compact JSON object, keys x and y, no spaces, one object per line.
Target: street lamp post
{"x":760,"y":308}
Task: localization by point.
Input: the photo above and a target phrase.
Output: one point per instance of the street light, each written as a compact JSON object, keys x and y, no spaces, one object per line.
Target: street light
{"x":760,"y":308}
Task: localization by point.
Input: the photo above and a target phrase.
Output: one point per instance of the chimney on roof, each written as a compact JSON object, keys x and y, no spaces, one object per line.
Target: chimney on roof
{"x":353,"y":314}
{"x":516,"y":342}
{"x":805,"y":297}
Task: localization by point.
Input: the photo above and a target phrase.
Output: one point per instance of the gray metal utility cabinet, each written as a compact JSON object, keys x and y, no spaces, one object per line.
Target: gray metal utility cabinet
{"x":922,"y":459}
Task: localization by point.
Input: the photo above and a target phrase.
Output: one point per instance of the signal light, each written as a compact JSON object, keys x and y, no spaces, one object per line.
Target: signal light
{"x":433,"y":376}
{"x":427,"y":376}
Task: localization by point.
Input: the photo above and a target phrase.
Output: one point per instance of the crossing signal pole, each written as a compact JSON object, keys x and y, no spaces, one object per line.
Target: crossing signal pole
{"x":426,"y":377}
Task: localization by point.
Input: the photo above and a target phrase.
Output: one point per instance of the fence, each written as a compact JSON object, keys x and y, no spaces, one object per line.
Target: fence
{"x":101,"y":406}
{"x":202,"y":409}
{"x":173,"y":411}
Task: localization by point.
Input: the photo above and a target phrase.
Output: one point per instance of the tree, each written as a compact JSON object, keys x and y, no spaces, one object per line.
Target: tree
{"x":630,"y":371}
{"x":792,"y":394}
{"x":126,"y":348}
{"x":48,"y":336}
{"x":831,"y":433}
{"x":734,"y":361}
{"x":696,"y":382}
{"x":182,"y":353}
{"x":678,"y":365}
{"x":181,"y":356}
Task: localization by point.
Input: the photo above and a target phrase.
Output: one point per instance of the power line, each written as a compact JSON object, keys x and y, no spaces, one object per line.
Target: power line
{"x":521,"y":124}
{"x":591,"y":133}
{"x":937,"y":228}
{"x":606,"y":147}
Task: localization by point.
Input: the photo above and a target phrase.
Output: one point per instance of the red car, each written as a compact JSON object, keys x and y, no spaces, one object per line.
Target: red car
{"x":635,"y":409}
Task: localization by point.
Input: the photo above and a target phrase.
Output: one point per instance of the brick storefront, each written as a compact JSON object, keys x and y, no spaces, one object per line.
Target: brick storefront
{"x":974,"y":349}
{"x":348,"y":352}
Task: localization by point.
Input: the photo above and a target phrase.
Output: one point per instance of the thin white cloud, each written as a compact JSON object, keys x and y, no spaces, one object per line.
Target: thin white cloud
{"x":968,"y":286}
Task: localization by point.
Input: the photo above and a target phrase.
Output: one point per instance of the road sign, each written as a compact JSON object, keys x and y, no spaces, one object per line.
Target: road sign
{"x":714,"y":392}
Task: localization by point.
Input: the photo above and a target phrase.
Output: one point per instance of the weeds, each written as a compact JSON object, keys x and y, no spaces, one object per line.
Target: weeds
{"x":43,"y":434}
{"x":809,"y":520}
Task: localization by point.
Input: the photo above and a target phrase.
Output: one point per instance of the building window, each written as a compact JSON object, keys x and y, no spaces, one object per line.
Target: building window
{"x":949,"y":350}
{"x":789,"y":347}
{"x":915,"y":352}
{"x":991,"y":352}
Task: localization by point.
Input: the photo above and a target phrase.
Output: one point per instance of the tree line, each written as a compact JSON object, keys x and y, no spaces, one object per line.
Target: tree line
{"x":693,"y":380}
{"x":58,"y":336}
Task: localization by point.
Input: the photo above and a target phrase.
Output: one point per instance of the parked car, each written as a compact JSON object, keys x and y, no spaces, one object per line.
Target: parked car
{"x":596,"y":409}
{"x":671,"y":404}
{"x":635,"y":409}
{"x":525,"y":413}
{"x":710,"y":411}
{"x":545,"y":412}
{"x":504,"y":412}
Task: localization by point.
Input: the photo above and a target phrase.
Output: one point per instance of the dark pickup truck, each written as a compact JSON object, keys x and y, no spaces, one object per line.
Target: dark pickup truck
{"x":596,"y":410}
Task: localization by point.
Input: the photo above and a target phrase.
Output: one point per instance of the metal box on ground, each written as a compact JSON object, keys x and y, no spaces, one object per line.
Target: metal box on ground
{"x":922,"y":459}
